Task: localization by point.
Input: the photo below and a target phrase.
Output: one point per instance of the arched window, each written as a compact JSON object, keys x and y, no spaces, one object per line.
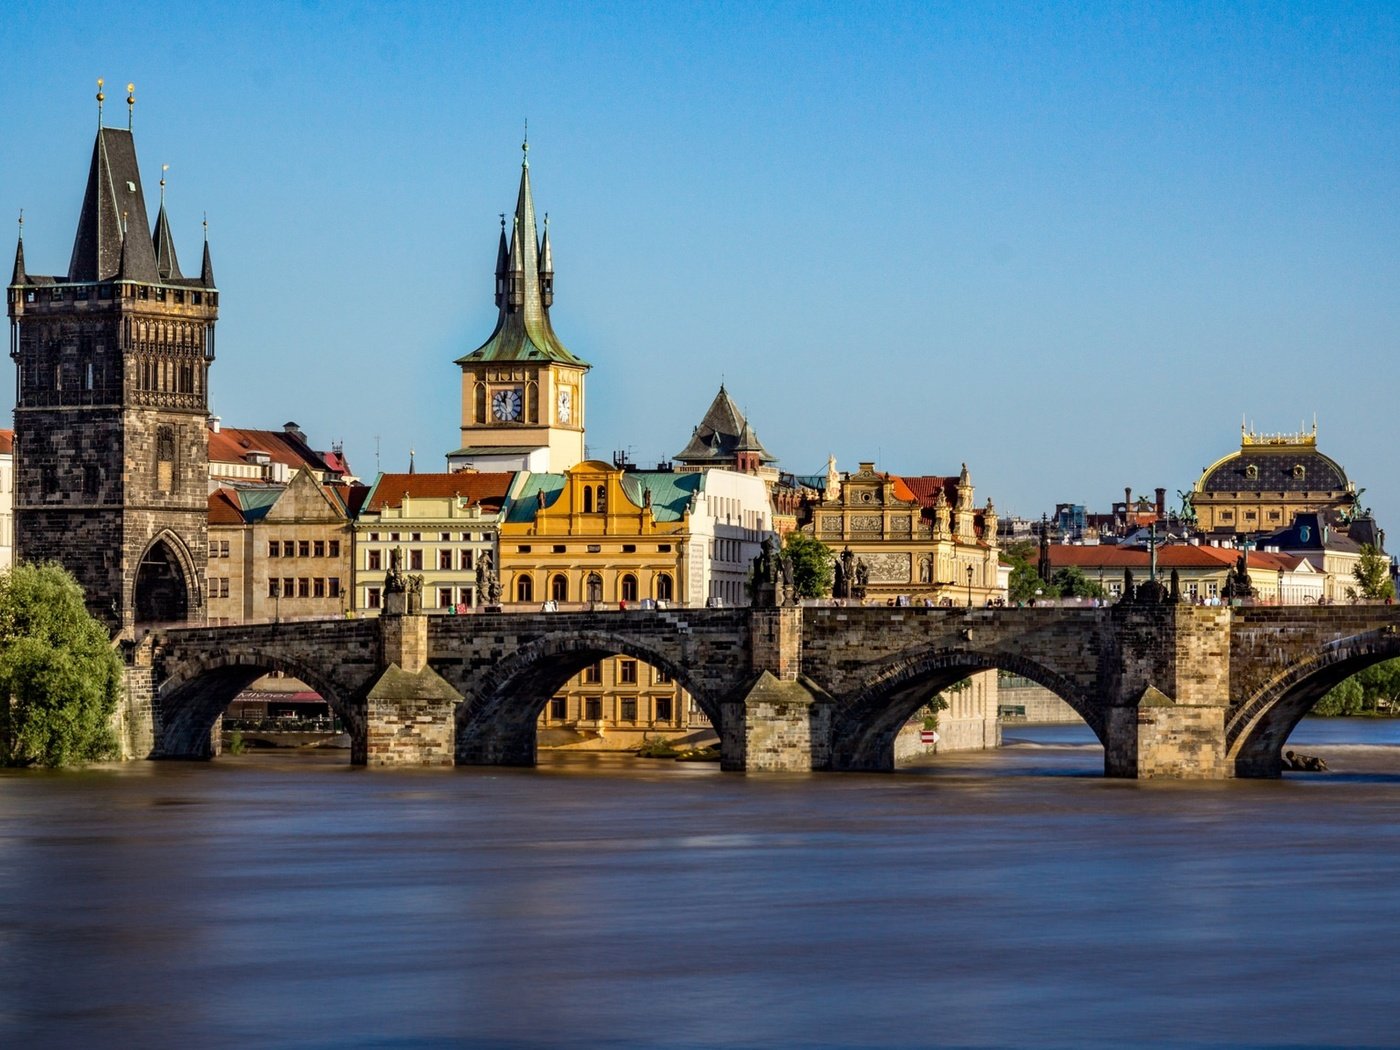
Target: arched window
{"x":664,"y":589}
{"x":629,"y":588}
{"x":595,"y":587}
{"x":524,"y":589}
{"x":559,"y":588}
{"x":602,"y":498}
{"x":588,"y":499}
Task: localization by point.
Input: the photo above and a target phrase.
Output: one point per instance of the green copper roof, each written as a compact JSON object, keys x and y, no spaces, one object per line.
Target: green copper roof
{"x":527,"y":501}
{"x":525,"y":280}
{"x":670,"y":493}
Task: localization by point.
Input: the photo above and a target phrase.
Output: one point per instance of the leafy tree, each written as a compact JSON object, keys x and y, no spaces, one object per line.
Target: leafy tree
{"x":812,"y":564}
{"x":1345,"y":698}
{"x":1025,"y":581}
{"x":59,"y":677}
{"x":1372,"y":572}
{"x":1070,"y":582}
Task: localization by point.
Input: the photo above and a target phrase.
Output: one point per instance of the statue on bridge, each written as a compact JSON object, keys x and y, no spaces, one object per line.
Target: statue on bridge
{"x":773,"y":584}
{"x":1238,"y":584}
{"x":488,"y":583}
{"x":403,"y":593}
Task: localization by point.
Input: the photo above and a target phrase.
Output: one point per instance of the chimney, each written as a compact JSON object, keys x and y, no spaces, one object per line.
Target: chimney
{"x":1161,"y":504}
{"x":214,"y":423}
{"x":295,"y":431}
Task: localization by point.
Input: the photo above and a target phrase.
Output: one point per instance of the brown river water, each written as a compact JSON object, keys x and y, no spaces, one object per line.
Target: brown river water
{"x":1013,"y":898}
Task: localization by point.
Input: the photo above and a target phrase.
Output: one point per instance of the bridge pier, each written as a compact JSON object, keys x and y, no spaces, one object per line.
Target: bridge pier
{"x":778,"y":722}
{"x":410,"y":711}
{"x":1169,"y":693}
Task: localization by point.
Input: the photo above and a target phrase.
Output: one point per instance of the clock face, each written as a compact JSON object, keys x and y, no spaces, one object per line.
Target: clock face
{"x":566,"y":405}
{"x":505,"y":404}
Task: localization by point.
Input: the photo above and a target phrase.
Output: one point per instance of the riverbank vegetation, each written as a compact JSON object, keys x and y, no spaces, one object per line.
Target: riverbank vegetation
{"x":59,"y":675}
{"x":1374,"y":691}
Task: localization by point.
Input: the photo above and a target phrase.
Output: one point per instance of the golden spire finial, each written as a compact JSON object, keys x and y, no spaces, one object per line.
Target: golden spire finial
{"x":163,"y":169}
{"x":130,"y":103}
{"x":100,"y":98}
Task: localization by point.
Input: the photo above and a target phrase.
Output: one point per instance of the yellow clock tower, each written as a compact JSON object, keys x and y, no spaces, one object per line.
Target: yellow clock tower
{"x":522,"y":390}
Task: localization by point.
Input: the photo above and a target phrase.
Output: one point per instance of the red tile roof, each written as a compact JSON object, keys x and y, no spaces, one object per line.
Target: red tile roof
{"x":1175,"y":556}
{"x":233,"y":444}
{"x":224,"y":508}
{"x":487,"y":489}
{"x":7,"y":442}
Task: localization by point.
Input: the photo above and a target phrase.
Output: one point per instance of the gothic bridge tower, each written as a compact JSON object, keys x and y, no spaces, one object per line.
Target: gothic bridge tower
{"x":111,"y":459}
{"x":522,"y":390}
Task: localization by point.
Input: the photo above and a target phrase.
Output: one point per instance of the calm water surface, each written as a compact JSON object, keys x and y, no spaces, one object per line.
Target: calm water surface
{"x":1013,"y":898}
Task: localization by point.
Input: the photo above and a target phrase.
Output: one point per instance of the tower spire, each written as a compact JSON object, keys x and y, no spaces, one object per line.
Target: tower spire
{"x":130,"y":106}
{"x":167,"y":266}
{"x":206,"y":271}
{"x":18,"y":276}
{"x":100,"y":99}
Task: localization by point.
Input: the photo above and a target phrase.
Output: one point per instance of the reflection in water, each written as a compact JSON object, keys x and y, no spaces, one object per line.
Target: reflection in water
{"x":1005,"y":898}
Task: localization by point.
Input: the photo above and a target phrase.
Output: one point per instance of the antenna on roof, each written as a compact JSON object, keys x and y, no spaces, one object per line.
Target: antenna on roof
{"x":130,"y":103}
{"x":100,"y":98}
{"x":376,"y":454}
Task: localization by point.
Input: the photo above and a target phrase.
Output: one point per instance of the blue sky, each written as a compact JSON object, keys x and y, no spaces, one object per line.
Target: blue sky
{"x":1069,"y":244}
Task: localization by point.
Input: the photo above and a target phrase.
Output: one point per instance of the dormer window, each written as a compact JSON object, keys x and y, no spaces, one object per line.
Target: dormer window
{"x":1251,"y":471}
{"x":1299,"y":471}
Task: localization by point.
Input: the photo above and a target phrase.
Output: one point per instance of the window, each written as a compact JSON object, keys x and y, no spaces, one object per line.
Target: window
{"x":288,"y":586}
{"x":318,"y":587}
{"x":304,"y":587}
{"x":334,"y":548}
{"x":444,"y":559}
{"x":273,"y":587}
{"x":558,"y":708}
{"x":560,"y":548}
{"x":559,"y":587}
{"x":372,"y":598}
{"x":629,"y":709}
{"x":588,"y":499}
{"x":223,"y":587}
{"x":444,"y":537}
{"x":464,"y":560}
{"x":595,"y":587}
{"x":333,"y":587}
{"x":593,"y":674}
{"x":664,"y":588}
{"x":664,"y":708}
{"x":415,"y":559}
{"x":662,"y":677}
{"x":629,"y":548}
{"x":464,"y":596}
{"x":304,"y":548}
{"x":593,"y":708}
{"x":318,"y":549}
{"x":664,"y":548}
{"x":629,"y":588}
{"x":602,"y":499}
{"x":165,"y":459}
{"x":373,"y":560}
{"x":627,"y":672}
{"x":524,"y":548}
{"x":444,"y":597}
{"x":524,"y":589}
{"x":223,"y":548}
{"x":273,"y":548}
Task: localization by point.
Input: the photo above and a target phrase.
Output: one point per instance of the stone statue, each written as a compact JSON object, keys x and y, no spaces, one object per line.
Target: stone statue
{"x":789,"y":585}
{"x":767,"y":572}
{"x":488,"y":584}
{"x":403,"y":594}
{"x":926,"y":569}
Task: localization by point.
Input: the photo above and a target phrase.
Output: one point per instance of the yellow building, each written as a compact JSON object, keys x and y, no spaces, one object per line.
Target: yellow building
{"x":1270,"y":480}
{"x":597,"y":536}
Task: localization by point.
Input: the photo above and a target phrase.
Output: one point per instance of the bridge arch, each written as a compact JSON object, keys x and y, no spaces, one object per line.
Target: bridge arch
{"x":496,"y":721}
{"x":197,"y":689}
{"x":867,"y":718}
{"x":1257,"y":729}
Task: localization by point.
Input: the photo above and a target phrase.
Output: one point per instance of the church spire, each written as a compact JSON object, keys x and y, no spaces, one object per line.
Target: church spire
{"x":502,"y":264}
{"x":113,"y":191}
{"x":167,"y":266}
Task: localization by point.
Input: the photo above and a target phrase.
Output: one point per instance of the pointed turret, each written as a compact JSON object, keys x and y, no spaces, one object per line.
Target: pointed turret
{"x":523,"y":330}
{"x":113,"y":191}
{"x":167,"y":266}
{"x":546,"y":268}
{"x":206,"y":270}
{"x":502,"y":265}
{"x":18,"y":276}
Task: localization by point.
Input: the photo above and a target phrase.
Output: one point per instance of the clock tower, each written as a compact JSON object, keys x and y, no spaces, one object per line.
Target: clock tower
{"x":522,"y":390}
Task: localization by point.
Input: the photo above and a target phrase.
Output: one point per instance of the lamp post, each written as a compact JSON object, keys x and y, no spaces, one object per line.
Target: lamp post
{"x":1280,"y":586}
{"x":276,"y":601}
{"x":969,"y":586}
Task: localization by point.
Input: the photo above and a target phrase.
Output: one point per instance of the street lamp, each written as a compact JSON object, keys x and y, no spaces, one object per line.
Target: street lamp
{"x":969,"y":586}
{"x":1280,"y":586}
{"x":276,"y":600}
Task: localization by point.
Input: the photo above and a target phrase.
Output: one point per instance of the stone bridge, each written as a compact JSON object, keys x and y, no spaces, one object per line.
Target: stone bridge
{"x":1174,"y":691}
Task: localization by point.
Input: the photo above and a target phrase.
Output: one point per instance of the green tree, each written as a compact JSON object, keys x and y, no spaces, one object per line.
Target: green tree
{"x":1026,"y":585}
{"x":812,"y":563}
{"x":1372,"y":572}
{"x":1070,"y":582}
{"x":59,"y":677}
